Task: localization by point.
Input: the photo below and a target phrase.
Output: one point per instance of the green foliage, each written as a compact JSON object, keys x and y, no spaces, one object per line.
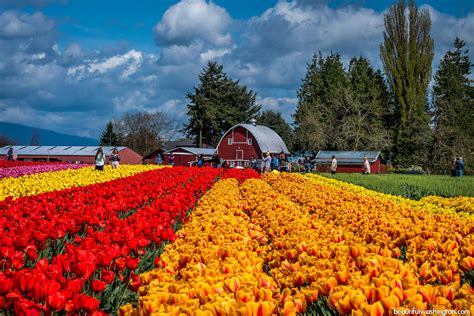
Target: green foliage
{"x":340,"y":110}
{"x":407,"y":53}
{"x":217,"y":104}
{"x":109,"y":137}
{"x":412,"y":186}
{"x":275,"y":121}
{"x":453,"y":109}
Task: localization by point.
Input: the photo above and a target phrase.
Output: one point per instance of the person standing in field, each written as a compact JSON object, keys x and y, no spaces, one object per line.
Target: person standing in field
{"x":10,"y":153}
{"x":366,"y":166}
{"x":99,"y":159}
{"x":333,"y":165}
{"x":267,"y":162}
{"x":159,"y":160}
{"x":459,"y":167}
{"x":171,"y":159}
{"x":252,"y":163}
{"x":114,"y":158}
{"x":453,"y":167}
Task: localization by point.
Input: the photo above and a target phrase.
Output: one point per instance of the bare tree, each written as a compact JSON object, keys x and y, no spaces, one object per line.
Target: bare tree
{"x":143,"y":131}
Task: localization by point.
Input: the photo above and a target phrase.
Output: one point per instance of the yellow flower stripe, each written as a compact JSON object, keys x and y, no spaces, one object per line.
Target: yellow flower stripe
{"x":459,"y":204}
{"x":214,"y":267}
{"x":356,"y":240}
{"x":424,"y":204}
{"x":313,"y":239}
{"x":58,"y":180}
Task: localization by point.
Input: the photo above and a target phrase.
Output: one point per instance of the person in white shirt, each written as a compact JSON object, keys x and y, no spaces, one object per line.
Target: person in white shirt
{"x":333,"y":165}
{"x":99,"y":160}
{"x":366,"y":166}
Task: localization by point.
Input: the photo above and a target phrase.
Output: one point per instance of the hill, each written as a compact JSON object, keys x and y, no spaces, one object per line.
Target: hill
{"x":21,"y":135}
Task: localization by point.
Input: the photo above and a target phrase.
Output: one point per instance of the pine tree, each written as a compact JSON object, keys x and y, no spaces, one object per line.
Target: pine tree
{"x":407,"y":53}
{"x":217,"y":104}
{"x":109,"y":137}
{"x":316,"y":115}
{"x":366,"y":105}
{"x":453,"y":105}
{"x":276,"y":122}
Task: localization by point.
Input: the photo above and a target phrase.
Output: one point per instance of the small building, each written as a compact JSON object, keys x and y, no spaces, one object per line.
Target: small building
{"x":172,"y":144}
{"x":349,"y":161}
{"x":243,"y":141}
{"x":187,"y":156}
{"x":71,"y":154}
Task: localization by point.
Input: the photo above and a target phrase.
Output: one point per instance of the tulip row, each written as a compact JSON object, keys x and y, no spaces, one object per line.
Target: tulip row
{"x":459,"y":204}
{"x":109,"y":254}
{"x":38,"y":226}
{"x":366,"y":254}
{"x":26,"y":170}
{"x":355,"y":255}
{"x":215,"y":267}
{"x":59,"y":180}
{"x":17,"y":163}
{"x":424,"y":205}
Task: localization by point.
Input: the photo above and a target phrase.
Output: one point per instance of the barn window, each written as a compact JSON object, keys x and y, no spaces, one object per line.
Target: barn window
{"x":229,"y":141}
{"x":249,"y":141}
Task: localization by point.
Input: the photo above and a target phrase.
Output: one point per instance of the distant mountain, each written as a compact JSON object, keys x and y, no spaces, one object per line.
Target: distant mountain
{"x":21,"y":135}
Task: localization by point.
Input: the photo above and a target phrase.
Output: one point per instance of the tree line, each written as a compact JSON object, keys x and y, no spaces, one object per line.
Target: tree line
{"x":358,"y":108}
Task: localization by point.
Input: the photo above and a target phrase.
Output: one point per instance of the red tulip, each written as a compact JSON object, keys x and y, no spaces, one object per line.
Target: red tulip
{"x":132,"y":263}
{"x":108,"y":276}
{"x":56,"y":301}
{"x":75,"y":285}
{"x":98,"y":285}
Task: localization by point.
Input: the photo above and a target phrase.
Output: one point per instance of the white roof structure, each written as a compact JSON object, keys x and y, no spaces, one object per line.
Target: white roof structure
{"x":196,"y":150}
{"x":346,"y":157}
{"x":267,"y":139}
{"x":59,"y":150}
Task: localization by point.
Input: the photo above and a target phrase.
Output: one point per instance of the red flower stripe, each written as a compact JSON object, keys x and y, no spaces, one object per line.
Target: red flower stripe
{"x":29,"y":224}
{"x":114,"y":251}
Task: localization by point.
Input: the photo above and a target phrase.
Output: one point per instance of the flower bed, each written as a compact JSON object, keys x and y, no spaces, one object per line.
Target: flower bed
{"x":101,"y":263}
{"x":59,"y":180}
{"x":17,"y":163}
{"x":26,"y":170}
{"x":460,"y":204}
{"x":279,"y":246}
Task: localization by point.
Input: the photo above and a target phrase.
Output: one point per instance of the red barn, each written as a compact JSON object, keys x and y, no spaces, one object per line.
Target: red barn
{"x":83,"y":154}
{"x":245,"y":140}
{"x":186,"y":156}
{"x":349,"y":161}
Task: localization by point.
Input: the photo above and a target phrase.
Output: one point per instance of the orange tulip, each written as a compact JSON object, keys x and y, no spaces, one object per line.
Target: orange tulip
{"x":429,"y":294}
{"x":467,"y":263}
{"x":342,"y":277}
{"x":376,"y":309}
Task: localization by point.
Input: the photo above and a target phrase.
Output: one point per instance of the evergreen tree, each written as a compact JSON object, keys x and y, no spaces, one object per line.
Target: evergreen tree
{"x":453,"y":105}
{"x":407,"y":53}
{"x":109,"y":137}
{"x":217,"y":104}
{"x":316,"y":115}
{"x":276,"y":122}
{"x":366,"y":105}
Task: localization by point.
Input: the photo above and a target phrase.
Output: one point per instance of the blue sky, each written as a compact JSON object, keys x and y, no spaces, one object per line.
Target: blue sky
{"x":72,"y":65}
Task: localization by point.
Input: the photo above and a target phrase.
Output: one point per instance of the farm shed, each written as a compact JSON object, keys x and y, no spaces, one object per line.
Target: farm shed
{"x":186,"y":156}
{"x":245,"y":140}
{"x":83,"y":154}
{"x":349,"y":161}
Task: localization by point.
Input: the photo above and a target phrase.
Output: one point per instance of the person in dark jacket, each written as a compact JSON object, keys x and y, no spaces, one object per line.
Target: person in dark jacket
{"x":10,"y":153}
{"x":114,"y":159}
{"x":459,"y":167}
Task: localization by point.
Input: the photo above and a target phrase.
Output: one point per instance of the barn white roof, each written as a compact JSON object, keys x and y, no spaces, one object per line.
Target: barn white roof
{"x":346,"y":157}
{"x":196,"y":150}
{"x":267,"y":139}
{"x":58,"y":150}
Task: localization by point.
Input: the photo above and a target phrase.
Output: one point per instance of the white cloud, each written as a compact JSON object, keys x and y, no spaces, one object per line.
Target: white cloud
{"x":194,"y":20}
{"x":132,"y":59}
{"x":16,"y":25}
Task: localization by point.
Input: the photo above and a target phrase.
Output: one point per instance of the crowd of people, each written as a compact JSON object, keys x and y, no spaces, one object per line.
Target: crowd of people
{"x":267,"y":162}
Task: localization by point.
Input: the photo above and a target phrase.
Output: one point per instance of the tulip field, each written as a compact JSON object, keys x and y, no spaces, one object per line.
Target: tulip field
{"x":148,"y":240}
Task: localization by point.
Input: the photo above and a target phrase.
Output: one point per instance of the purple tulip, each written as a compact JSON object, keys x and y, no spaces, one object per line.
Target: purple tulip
{"x":26,"y":170}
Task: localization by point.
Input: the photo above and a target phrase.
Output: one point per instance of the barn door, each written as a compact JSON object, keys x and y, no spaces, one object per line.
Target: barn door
{"x":239,"y":155}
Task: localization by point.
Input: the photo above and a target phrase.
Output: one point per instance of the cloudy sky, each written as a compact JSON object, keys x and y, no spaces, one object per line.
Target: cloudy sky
{"x":71,"y":65}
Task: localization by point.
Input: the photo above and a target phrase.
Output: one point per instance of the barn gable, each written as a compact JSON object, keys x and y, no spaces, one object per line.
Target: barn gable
{"x":266,"y":138}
